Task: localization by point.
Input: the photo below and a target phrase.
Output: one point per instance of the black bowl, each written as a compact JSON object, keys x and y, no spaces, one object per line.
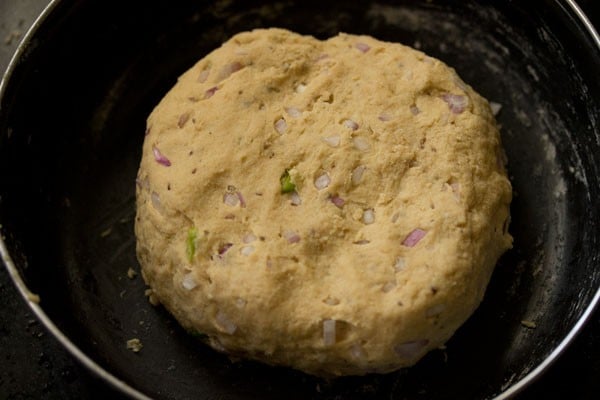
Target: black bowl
{"x":73,"y":108}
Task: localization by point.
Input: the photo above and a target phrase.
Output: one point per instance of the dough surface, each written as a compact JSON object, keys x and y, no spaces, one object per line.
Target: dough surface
{"x":335,"y":206}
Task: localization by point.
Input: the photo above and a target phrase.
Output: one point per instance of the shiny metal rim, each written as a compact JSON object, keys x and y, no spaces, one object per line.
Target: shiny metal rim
{"x":10,"y":266}
{"x":540,"y":369}
{"x":134,"y":393}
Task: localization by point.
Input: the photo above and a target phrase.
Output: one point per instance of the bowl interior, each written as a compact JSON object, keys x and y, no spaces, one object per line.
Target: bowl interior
{"x":72,"y":125}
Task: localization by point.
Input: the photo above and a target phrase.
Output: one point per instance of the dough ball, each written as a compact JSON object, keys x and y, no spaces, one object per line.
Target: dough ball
{"x":334,"y":206}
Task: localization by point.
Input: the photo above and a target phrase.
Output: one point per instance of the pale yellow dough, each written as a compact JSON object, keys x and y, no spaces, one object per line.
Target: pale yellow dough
{"x":384,"y":145}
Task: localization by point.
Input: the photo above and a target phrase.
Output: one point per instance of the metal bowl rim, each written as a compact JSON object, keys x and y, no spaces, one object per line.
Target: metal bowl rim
{"x":127,"y":389}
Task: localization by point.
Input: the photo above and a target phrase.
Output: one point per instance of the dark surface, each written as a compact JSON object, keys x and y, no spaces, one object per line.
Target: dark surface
{"x":34,"y":365}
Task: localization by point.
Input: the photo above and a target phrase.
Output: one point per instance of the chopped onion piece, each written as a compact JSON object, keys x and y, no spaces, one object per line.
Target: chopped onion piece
{"x":348,"y":123}
{"x":357,"y":174}
{"x":203,"y":75}
{"x":363,"y":47}
{"x":240,"y":303}
{"x":388,"y":287}
{"x":183,"y":118}
{"x":293,"y":112}
{"x":281,"y":126}
{"x":455,"y":190}
{"x":295,"y":198}
{"x":333,"y":141}
{"x":414,"y":110}
{"x":496,"y":107}
{"x":414,"y":237}
{"x":329,"y":332}
{"x":143,"y":183}
{"x":369,"y":216}
{"x":242,"y":200}
{"x":338,"y":201}
{"x":385,"y":117}
{"x":435,"y":310}
{"x":456,"y":103}
{"x":160,"y":158}
{"x":322,"y":181}
{"x":156,"y":202}
{"x":412,"y":349}
{"x":400,"y":264}
{"x":188,"y":282}
{"x":249,"y":238}
{"x":300,"y":88}
{"x":210,"y":92}
{"x":247,"y":250}
{"x":229,"y":69}
{"x":231,"y":199}
{"x":291,"y":236}
{"x":357,"y":352}
{"x":224,"y":248}
{"x":224,"y":323}
{"x":361,"y":143}
{"x":331,"y":301}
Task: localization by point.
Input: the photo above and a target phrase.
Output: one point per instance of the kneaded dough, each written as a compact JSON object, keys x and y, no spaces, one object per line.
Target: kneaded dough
{"x":334,"y":206}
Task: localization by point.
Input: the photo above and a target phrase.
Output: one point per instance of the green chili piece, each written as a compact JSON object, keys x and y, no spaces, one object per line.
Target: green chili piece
{"x":199,"y":335}
{"x":190,"y":249}
{"x":287,"y":184}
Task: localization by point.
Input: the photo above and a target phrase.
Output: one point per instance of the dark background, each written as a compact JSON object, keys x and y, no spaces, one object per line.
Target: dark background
{"x":33,"y":364}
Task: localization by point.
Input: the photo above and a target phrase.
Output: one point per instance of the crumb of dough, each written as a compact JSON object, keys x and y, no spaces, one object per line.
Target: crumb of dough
{"x":13,"y":36}
{"x":106,"y":232}
{"x":528,"y":324}
{"x":496,"y":107}
{"x":149,"y":293}
{"x":34,"y":298}
{"x":134,"y":345}
{"x":131,"y":273}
